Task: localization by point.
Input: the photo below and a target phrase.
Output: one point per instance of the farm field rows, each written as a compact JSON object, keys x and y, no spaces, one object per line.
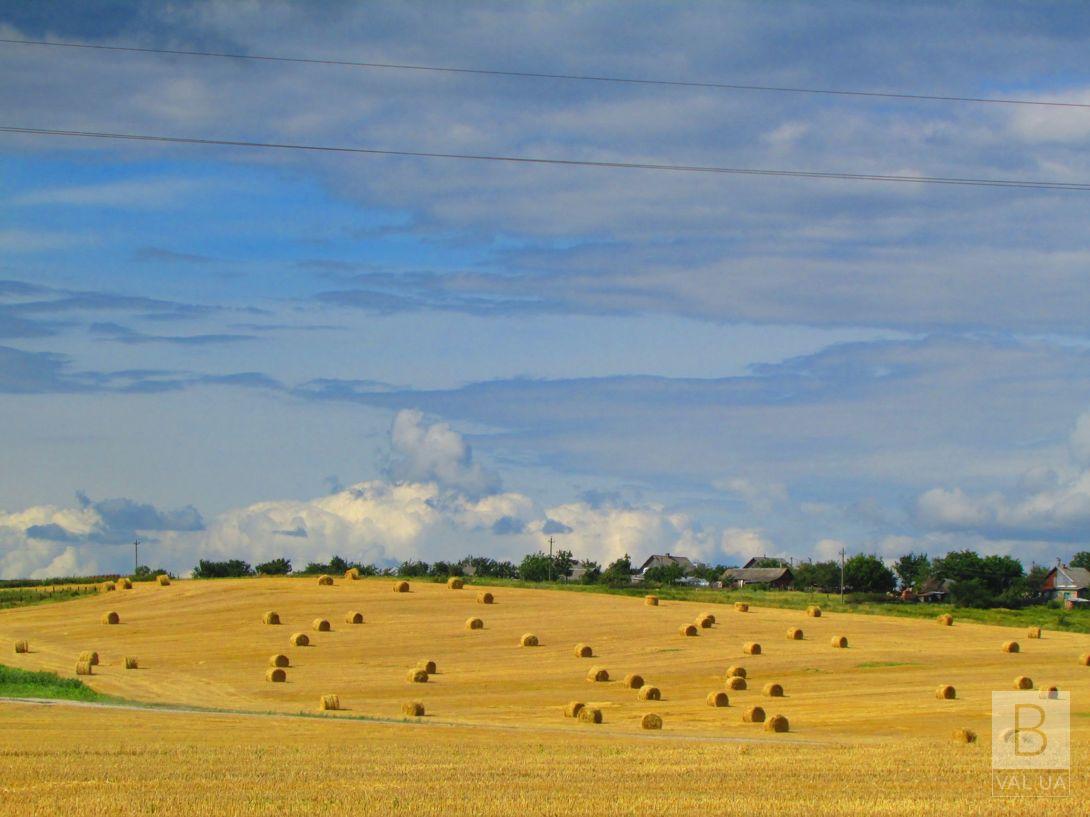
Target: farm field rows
{"x":864,"y":716}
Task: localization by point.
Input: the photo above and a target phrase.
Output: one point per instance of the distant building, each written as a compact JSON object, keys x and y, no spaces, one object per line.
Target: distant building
{"x":766,"y":561}
{"x":934,"y":591}
{"x":775,"y":578}
{"x":1066,"y":583}
{"x":666,"y":560}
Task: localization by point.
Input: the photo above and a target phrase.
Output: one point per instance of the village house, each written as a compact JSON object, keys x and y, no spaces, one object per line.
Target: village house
{"x":1065,"y":583}
{"x":773,"y":578}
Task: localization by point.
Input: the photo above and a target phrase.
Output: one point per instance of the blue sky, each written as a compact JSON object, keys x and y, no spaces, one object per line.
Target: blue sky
{"x":239,"y":352}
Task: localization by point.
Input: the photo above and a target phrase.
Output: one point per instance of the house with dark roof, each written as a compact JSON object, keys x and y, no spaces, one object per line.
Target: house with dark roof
{"x":1066,"y":583}
{"x":775,"y":578}
{"x":934,"y":591}
{"x":666,"y":560}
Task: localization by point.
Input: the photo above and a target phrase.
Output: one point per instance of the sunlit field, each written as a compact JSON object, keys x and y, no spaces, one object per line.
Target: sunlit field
{"x":867,"y":733}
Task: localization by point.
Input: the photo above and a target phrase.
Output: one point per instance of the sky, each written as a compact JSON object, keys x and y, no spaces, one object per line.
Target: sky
{"x":233,"y":352}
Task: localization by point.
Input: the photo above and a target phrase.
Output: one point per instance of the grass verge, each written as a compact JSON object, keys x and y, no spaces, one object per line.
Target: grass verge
{"x":21,"y":683}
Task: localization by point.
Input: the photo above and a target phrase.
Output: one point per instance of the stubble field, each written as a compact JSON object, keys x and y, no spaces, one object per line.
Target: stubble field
{"x":867,"y":734}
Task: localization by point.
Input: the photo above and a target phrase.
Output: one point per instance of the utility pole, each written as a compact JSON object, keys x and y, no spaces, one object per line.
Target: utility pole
{"x":550,"y":558}
{"x":135,"y":555}
{"x":842,"y":574}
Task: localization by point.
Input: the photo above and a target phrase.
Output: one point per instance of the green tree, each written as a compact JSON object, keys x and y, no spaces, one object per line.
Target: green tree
{"x":1081,"y":559}
{"x":535,"y":567}
{"x":868,"y":574}
{"x":913,"y":569}
{"x":618,"y":573}
{"x":824,"y":576}
{"x":275,"y":567}
{"x":412,"y":568}
{"x":664,"y":574}
{"x":206,"y":569}
{"x":563,"y":563}
{"x":1035,"y":579}
{"x":971,"y":593}
{"x":592,"y":571}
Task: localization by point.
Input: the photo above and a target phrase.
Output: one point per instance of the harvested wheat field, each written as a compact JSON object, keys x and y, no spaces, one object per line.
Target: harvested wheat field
{"x":864,"y":713}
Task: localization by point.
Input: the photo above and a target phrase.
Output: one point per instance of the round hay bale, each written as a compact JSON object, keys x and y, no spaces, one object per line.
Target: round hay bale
{"x":484,"y":597}
{"x":352,"y":574}
{"x":583,"y":651}
{"x":107,"y":587}
{"x":1034,"y":632}
{"x":946,"y":620}
{"x":321,"y":625}
{"x":353,"y":617}
{"x":736,"y":682}
{"x":417,"y":676}
{"x":413,"y":709}
{"x":271,"y":617}
{"x":718,"y":699}
{"x":706,"y":614}
{"x":329,"y":702}
{"x":528,"y":640}
{"x":1011,"y":646}
{"x":474,"y":624}
{"x":90,"y":657}
{"x":1023,"y":682}
{"x":633,"y":680}
{"x":22,"y":646}
{"x":688,"y":630}
{"x":813,"y":611}
{"x":428,"y":666}
{"x":773,"y":690}
{"x":736,"y":671}
{"x":599,"y":674}
{"x":455,"y":583}
{"x":651,"y":601}
{"x":163,"y":579}
{"x":131,"y":663}
{"x":279,"y":660}
{"x":794,"y":634}
{"x":964,"y":736}
{"x":839,"y":642}
{"x":111,"y":618}
{"x":751,"y":648}
{"x":705,"y":622}
{"x":300,"y":640}
{"x":1051,"y":692}
{"x":124,"y":584}
{"x":401,"y":587}
{"x":325,"y":581}
{"x":753,"y":714}
{"x":777,"y":723}
{"x":573,"y":709}
{"x":649,"y":693}
{"x":1084,"y":659}
{"x":590,"y":714}
{"x":945,"y":692}
{"x":651,"y":721}
{"x":83,"y":667}
{"x":741,"y":607}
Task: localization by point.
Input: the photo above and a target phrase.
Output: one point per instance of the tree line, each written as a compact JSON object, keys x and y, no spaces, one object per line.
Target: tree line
{"x":973,"y":580}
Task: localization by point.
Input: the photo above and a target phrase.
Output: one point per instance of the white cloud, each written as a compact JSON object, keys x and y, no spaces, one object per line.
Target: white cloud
{"x":746,"y":543}
{"x":762,"y":496}
{"x":435,"y":452}
{"x":1047,"y":503}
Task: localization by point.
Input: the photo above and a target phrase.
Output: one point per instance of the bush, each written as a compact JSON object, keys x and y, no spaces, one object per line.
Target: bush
{"x":276,"y":567}
{"x":232,"y":568}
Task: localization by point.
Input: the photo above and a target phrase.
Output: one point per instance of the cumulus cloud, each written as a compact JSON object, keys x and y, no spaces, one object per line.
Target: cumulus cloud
{"x":423,"y":453}
{"x":746,"y":543}
{"x":443,"y":505}
{"x":1047,"y":503}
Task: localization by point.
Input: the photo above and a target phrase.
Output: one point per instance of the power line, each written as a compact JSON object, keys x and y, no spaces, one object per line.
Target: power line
{"x":394,"y":66}
{"x":533,"y":160}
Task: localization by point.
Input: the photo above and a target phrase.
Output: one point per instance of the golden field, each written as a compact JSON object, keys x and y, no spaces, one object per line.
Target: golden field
{"x":867,"y":733}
